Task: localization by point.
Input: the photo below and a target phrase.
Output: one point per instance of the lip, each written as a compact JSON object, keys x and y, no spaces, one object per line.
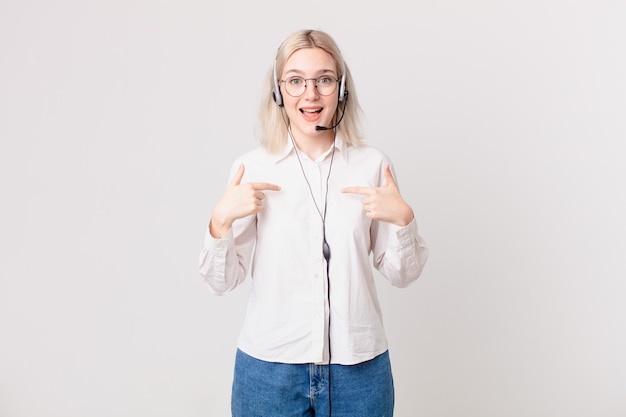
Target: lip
{"x":311,"y":114}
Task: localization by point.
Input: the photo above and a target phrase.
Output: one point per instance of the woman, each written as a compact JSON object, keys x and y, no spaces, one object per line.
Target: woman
{"x":301,"y":215}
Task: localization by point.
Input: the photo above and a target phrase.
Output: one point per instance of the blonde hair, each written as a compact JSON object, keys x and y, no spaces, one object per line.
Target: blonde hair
{"x":272,"y":119}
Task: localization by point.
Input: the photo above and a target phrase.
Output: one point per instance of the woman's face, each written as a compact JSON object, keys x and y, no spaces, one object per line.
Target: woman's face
{"x":311,"y":108}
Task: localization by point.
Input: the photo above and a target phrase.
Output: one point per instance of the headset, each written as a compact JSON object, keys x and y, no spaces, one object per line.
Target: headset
{"x":278,"y":97}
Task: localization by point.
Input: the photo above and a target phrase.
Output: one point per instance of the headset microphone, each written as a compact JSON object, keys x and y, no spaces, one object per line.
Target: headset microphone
{"x":318,"y":128}
{"x":344,"y":99}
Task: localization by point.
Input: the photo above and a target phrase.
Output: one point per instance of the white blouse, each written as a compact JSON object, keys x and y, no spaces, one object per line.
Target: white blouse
{"x":287,"y":318}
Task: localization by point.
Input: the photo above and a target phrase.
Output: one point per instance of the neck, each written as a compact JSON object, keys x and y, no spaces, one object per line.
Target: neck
{"x":314,"y":146}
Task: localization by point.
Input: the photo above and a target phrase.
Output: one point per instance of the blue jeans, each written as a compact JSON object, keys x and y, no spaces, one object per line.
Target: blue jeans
{"x":267,"y":389}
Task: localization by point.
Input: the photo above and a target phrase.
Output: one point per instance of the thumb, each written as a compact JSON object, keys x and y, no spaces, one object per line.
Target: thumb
{"x":238,"y":176}
{"x":389,"y":177}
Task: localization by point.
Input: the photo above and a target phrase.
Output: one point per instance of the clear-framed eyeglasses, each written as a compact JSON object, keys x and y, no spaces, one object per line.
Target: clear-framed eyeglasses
{"x":296,"y":86}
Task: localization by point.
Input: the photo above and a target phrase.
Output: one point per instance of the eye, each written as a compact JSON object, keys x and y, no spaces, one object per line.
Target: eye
{"x":325,"y":80}
{"x":295,"y":81}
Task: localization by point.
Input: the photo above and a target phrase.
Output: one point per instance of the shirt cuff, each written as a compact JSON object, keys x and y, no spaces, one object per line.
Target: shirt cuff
{"x":211,"y":242}
{"x":405,"y":235}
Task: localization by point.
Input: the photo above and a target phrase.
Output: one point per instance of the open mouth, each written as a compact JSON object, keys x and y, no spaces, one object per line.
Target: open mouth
{"x":311,"y":114}
{"x":311,"y":111}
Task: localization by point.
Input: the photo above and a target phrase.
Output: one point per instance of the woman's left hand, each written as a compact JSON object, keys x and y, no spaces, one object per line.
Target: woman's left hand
{"x":384,"y":203}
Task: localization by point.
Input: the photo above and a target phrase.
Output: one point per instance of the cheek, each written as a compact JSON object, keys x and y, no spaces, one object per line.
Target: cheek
{"x":292,"y":113}
{"x":291,"y":105}
{"x":331,"y":104}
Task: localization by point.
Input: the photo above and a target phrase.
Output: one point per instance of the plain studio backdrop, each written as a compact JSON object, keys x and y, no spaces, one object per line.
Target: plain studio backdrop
{"x":505,"y":120}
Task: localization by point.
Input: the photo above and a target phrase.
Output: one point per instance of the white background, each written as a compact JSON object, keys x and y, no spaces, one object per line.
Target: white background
{"x":506,"y":124}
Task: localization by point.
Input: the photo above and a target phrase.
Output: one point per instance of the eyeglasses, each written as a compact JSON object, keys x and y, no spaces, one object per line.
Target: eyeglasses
{"x":296,"y":86}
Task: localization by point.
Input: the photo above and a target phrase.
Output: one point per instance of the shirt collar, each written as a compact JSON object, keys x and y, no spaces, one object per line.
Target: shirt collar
{"x":340,"y":146}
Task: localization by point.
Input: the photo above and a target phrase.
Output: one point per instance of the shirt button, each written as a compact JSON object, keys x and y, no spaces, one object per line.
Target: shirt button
{"x":316,"y":275}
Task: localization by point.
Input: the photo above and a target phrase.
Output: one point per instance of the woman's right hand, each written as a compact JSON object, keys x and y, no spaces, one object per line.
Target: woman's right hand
{"x":239,"y":200}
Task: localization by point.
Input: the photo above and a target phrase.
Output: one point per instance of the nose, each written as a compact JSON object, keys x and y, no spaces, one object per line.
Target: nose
{"x":310,"y":88}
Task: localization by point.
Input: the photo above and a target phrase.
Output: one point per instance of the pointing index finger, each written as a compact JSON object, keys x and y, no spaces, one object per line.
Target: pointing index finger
{"x":265,"y":186}
{"x":260,"y":186}
{"x":356,"y":190}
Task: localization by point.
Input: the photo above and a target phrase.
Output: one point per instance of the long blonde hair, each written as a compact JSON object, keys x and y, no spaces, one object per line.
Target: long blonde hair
{"x":271,"y":124}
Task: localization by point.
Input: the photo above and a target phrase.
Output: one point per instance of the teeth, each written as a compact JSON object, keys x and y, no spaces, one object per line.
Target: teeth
{"x":311,"y":111}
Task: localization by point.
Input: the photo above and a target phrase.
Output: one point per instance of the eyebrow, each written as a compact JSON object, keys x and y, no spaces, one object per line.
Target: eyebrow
{"x":299,"y":72}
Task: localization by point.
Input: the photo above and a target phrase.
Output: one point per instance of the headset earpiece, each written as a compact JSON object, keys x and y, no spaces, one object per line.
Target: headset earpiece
{"x":342,"y":87}
{"x":278,"y":97}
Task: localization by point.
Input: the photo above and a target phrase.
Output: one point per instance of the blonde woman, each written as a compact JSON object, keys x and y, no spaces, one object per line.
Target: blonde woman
{"x":301,"y":216}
